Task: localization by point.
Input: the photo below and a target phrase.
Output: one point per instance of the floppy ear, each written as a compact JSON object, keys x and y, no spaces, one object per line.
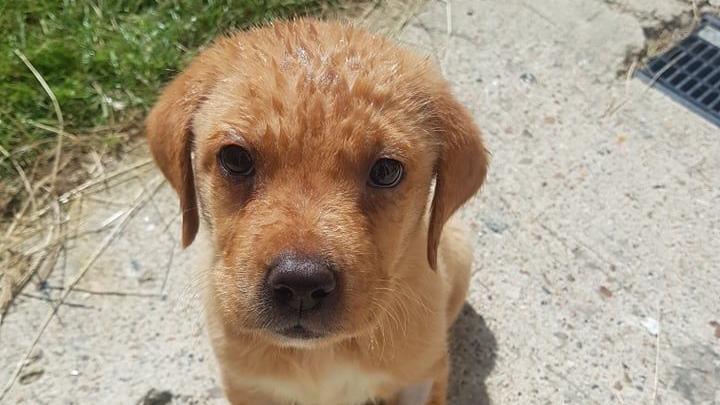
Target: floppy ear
{"x":461,"y":166}
{"x":169,"y":133}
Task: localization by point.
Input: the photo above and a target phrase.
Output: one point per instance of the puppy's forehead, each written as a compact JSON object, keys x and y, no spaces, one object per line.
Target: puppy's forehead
{"x":298,"y":83}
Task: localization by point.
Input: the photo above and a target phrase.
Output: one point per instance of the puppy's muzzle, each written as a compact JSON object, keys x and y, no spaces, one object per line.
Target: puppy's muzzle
{"x":301,"y":292}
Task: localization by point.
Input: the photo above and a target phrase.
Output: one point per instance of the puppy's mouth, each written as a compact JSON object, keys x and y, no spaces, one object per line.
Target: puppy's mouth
{"x":298,"y":328}
{"x":300,"y":332}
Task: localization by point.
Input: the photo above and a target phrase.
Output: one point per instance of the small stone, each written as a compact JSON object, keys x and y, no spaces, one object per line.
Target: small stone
{"x":651,"y":325}
{"x":135,"y":265}
{"x":155,"y":397}
{"x":147,"y":276}
{"x":30,"y":376}
{"x":717,"y":328}
{"x":74,"y":372}
{"x":528,"y":78}
{"x":495,"y":226}
{"x":605,"y":292}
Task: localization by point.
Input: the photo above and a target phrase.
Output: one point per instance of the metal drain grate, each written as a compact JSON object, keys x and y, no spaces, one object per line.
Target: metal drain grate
{"x":690,"y":72}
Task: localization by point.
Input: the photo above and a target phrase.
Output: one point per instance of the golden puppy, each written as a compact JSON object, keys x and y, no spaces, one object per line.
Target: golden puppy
{"x":310,"y":150}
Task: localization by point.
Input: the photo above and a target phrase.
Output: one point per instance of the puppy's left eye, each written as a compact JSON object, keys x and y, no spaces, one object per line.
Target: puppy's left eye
{"x":386,"y":173}
{"x":236,"y":160}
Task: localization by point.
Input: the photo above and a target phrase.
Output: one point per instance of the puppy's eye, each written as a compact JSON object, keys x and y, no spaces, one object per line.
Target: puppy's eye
{"x":236,"y":160}
{"x":386,"y":173}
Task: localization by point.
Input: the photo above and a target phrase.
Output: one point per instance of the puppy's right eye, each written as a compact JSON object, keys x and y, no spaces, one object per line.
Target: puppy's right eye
{"x":386,"y":173}
{"x":236,"y":161}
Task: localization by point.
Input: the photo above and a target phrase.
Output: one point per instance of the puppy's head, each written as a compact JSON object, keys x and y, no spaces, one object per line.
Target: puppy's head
{"x":311,"y":149}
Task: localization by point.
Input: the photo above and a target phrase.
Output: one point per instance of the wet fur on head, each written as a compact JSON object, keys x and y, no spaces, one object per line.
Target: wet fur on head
{"x":316,"y":104}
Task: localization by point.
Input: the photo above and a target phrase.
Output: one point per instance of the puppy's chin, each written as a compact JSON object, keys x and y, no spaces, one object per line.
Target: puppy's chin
{"x":300,"y":332}
{"x":298,"y":337}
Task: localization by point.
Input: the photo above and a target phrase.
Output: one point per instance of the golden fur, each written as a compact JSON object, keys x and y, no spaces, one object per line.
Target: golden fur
{"x":317,"y":103}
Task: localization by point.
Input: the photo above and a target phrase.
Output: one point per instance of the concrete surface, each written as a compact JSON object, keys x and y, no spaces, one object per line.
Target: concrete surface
{"x":597,"y":277}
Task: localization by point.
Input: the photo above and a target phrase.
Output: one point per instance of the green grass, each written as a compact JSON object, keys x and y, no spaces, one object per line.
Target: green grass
{"x":105,"y":60}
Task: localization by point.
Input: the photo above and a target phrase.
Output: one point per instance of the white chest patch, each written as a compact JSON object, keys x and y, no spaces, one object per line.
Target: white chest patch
{"x":417,"y":394}
{"x":343,"y":385}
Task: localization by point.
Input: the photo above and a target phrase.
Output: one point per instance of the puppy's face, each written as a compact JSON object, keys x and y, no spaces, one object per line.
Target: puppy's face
{"x":296,"y":188}
{"x":315,"y":146}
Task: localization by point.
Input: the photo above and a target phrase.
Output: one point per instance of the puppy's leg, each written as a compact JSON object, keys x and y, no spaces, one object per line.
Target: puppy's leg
{"x":456,"y":254}
{"x":438,"y":395}
{"x":241,"y":397}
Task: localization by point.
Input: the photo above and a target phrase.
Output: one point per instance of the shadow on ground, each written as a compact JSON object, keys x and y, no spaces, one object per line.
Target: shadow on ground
{"x":473,"y":351}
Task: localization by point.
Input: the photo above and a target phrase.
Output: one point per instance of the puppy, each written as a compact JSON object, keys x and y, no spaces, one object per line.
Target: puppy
{"x":325,"y":163}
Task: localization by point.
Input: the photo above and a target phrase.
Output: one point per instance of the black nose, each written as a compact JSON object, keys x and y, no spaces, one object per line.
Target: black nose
{"x":300,"y":283}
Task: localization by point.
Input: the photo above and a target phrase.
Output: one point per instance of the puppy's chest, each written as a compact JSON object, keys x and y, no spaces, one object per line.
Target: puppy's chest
{"x":338,"y":385}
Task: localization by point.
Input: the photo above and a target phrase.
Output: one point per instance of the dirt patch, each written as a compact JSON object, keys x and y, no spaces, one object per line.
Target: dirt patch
{"x":662,"y":34}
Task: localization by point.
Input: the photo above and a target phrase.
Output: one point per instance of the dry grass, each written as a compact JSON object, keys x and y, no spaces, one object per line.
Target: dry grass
{"x":39,"y":231}
{"x":119,"y":222}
